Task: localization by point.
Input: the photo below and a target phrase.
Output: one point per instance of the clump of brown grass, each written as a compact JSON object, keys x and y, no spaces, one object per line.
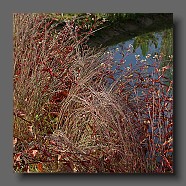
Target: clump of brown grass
{"x":93,"y":118}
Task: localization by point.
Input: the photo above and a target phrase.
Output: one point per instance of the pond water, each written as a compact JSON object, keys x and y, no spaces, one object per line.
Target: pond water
{"x":145,"y":48}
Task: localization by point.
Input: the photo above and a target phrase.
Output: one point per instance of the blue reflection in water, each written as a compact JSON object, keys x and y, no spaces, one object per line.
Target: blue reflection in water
{"x":125,"y":51}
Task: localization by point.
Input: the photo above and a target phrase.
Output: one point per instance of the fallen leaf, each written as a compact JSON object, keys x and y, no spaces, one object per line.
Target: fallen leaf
{"x":40,"y":167}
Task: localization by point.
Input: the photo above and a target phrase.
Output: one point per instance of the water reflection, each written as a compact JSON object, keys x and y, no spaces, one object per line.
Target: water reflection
{"x":145,"y":48}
